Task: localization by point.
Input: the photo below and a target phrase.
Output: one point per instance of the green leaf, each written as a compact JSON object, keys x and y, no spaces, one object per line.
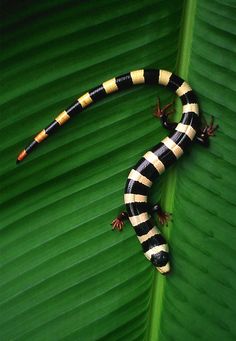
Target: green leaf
{"x":64,"y":273}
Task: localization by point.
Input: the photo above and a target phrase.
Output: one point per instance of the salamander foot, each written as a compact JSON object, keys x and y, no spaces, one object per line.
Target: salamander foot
{"x":163,"y":114}
{"x":119,"y":222}
{"x":206,"y":132}
{"x":163,"y":217}
{"x":159,"y":112}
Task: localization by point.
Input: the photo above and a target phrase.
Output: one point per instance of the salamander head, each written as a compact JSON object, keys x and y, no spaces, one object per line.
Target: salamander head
{"x":161,"y":261}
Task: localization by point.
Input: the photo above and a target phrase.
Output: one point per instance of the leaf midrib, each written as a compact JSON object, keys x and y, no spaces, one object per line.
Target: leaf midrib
{"x":182,"y":68}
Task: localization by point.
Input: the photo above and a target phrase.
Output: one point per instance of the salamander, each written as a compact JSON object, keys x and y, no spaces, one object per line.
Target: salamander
{"x":154,"y":162}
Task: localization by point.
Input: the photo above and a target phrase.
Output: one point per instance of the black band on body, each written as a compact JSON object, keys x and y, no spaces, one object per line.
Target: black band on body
{"x":74,"y":109}
{"x":147,"y":169}
{"x":151,"y":76}
{"x":97,"y":93}
{"x":52,"y":127}
{"x":181,"y":139}
{"x":31,"y":146}
{"x":124,"y":81}
{"x":188,"y":97}
{"x":165,"y":155}
{"x":156,"y":240}
{"x":174,"y":82}
{"x":135,"y":187}
{"x":190,"y":118}
{"x":143,"y":228}
{"x":137,"y":208}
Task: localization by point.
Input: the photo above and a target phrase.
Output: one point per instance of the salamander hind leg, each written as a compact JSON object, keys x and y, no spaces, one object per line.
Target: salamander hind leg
{"x":206,"y":132}
{"x":163,"y":113}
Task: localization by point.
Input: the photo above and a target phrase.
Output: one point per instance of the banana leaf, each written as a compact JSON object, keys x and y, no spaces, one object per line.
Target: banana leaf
{"x":64,"y":273}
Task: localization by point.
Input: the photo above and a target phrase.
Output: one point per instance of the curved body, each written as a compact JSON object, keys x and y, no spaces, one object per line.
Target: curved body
{"x":153,"y":163}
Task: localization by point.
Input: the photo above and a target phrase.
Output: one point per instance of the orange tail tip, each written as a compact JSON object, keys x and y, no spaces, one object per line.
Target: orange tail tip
{"x":21,"y":156}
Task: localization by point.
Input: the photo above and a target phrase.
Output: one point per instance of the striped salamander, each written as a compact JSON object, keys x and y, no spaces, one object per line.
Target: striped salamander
{"x":153,"y":163}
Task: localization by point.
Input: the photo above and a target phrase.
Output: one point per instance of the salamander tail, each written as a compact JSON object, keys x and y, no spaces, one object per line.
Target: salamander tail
{"x":21,"y":156}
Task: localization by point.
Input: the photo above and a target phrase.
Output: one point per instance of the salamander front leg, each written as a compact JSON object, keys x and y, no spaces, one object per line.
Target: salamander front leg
{"x":163,"y":113}
{"x":119,"y":222}
{"x":163,"y":217}
{"x":206,"y":132}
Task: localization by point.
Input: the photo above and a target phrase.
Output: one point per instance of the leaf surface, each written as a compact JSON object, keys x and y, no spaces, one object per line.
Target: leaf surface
{"x":64,"y":273}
